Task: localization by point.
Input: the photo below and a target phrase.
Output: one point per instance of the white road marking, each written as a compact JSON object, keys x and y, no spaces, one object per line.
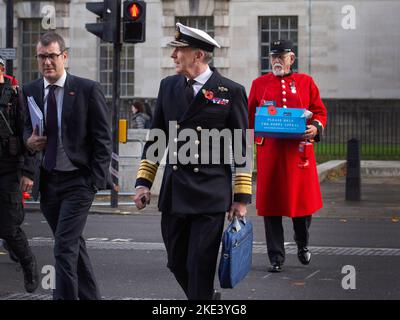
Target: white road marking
{"x":312,"y":274}
{"x":129,"y":244}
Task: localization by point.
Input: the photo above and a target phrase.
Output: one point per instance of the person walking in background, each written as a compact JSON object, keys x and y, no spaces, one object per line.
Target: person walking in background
{"x":140,"y":119}
{"x":16,"y":175}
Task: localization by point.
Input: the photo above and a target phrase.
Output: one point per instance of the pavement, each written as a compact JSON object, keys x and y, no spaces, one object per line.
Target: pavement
{"x":129,"y":260}
{"x":129,"y":257}
{"x":380,"y":189}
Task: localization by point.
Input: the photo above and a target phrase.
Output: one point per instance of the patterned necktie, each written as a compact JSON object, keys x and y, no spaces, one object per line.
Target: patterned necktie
{"x":189,"y":90}
{"x":51,"y":130}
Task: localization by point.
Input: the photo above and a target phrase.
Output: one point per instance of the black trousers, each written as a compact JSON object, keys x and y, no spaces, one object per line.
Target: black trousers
{"x":12,"y":216}
{"x":192,"y":242}
{"x":275,"y":237}
{"x":65,"y":199}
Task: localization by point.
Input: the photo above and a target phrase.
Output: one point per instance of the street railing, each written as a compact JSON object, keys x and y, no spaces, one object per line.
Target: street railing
{"x":376,"y":127}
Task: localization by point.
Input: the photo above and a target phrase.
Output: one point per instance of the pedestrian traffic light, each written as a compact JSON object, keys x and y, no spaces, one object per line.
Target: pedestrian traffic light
{"x":134,"y":21}
{"x":109,"y":12}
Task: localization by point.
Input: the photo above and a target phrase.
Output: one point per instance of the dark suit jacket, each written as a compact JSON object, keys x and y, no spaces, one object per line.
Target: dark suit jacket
{"x":23,"y":160}
{"x":86,"y":130}
{"x":197,"y":188}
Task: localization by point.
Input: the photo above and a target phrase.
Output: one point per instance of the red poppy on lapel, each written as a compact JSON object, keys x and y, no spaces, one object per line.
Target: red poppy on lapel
{"x":209,"y":95}
{"x":71,"y":93}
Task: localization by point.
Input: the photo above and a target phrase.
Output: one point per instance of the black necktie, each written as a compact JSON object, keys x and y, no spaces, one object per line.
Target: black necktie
{"x":189,"y":90}
{"x":51,"y":130}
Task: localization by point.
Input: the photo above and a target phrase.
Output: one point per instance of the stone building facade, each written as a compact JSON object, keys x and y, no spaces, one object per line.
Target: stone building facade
{"x":351,"y":48}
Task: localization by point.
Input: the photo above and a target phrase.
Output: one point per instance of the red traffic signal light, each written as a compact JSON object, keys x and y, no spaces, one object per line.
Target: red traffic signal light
{"x":134,"y":21}
{"x":134,"y":11}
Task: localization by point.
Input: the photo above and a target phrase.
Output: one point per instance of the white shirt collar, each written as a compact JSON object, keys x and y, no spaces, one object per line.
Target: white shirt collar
{"x":60,"y":82}
{"x":203,"y":77}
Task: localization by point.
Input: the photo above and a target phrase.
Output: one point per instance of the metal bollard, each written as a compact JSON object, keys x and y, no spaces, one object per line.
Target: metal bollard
{"x":353,"y":176}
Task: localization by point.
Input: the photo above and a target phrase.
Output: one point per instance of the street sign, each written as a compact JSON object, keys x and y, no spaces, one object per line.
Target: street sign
{"x":8,"y":53}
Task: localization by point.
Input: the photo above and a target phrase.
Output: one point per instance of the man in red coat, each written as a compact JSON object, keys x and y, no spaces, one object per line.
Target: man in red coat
{"x":283,"y":187}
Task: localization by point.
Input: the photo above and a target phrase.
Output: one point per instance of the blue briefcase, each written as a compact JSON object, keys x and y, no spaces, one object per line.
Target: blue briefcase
{"x":237,"y":251}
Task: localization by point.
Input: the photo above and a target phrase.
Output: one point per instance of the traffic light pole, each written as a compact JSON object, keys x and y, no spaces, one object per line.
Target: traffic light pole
{"x":109,"y":29}
{"x":9,"y":33}
{"x":116,"y":103}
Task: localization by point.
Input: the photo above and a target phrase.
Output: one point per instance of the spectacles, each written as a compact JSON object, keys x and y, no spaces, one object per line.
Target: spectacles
{"x":51,"y":56}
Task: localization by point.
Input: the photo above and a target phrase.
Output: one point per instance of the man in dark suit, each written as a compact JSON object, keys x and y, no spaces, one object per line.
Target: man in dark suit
{"x":74,"y":162}
{"x":196,"y":194}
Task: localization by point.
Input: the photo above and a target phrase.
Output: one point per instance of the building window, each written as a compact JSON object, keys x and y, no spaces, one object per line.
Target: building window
{"x":31,"y":31}
{"x":275,"y":28}
{"x":203,"y":23}
{"x":127,"y":76}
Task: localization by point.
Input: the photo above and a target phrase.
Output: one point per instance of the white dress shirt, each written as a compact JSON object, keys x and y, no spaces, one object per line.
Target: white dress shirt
{"x":201,"y":80}
{"x":62,"y":161}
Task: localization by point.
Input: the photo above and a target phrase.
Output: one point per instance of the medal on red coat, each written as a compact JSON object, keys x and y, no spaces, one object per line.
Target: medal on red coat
{"x":293,"y":87}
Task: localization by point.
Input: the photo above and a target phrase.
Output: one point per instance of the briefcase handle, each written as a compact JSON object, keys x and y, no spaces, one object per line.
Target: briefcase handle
{"x":236,"y":224}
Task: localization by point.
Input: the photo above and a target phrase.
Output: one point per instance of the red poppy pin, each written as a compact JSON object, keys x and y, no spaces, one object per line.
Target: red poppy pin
{"x":71,"y":93}
{"x":208,"y":94}
{"x":272,"y":110}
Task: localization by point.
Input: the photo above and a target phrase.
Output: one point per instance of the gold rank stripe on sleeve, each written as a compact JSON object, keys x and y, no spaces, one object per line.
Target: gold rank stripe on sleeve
{"x":243,"y":183}
{"x":147,"y":170}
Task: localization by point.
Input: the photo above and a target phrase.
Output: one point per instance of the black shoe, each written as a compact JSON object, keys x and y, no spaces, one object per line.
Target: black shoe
{"x":31,"y":275}
{"x":304,"y":255}
{"x":11,"y":253}
{"x":275,"y":267}
{"x":216,"y":295}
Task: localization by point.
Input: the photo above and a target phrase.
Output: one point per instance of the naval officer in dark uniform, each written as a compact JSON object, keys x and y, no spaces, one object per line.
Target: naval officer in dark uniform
{"x":196,"y":195}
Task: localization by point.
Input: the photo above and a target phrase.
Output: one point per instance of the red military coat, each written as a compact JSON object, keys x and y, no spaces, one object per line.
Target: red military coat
{"x":284,"y":189}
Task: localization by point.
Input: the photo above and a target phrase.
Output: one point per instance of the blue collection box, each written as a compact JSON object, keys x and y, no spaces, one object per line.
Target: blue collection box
{"x":288,"y":123}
